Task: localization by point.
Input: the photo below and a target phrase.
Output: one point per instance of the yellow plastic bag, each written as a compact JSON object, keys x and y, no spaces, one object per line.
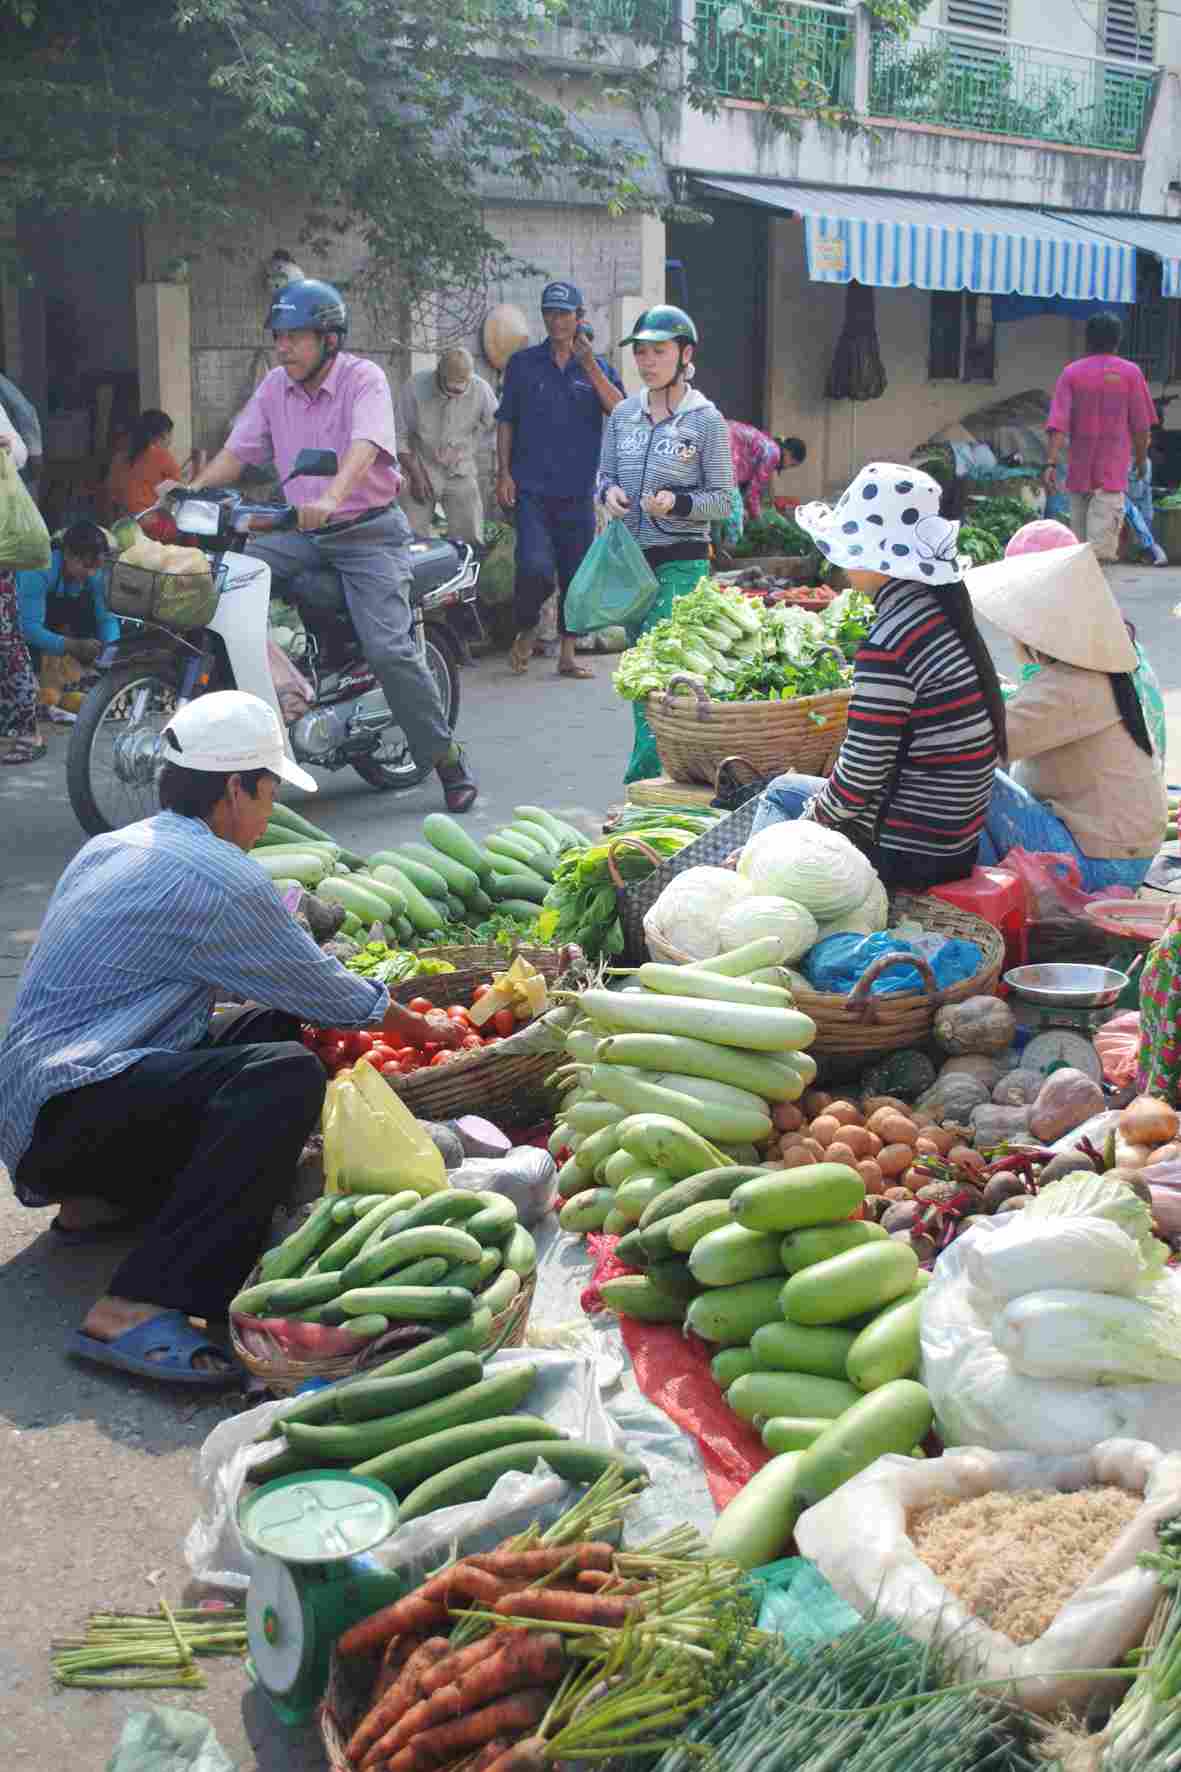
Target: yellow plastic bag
{"x":372,"y":1142}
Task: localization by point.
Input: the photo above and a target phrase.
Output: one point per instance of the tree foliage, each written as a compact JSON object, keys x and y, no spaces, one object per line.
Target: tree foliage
{"x":380,"y":118}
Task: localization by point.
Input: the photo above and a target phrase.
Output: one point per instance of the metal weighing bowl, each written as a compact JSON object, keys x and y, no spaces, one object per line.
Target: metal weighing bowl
{"x":1059,"y":986}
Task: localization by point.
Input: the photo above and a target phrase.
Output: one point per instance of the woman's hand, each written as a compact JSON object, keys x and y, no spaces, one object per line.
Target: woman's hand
{"x":658,"y":504}
{"x":616,"y":501}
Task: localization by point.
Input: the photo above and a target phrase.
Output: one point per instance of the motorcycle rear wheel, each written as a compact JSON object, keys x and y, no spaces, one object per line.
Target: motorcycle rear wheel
{"x":391,"y":766}
{"x":112,"y":764}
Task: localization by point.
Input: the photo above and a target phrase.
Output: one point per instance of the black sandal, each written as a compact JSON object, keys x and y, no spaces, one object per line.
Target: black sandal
{"x":459,"y":790}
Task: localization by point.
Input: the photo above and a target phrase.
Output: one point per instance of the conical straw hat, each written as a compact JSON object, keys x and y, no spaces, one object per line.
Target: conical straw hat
{"x":1057,"y":602}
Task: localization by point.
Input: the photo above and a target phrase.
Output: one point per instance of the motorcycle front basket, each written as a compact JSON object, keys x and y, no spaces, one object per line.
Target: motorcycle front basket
{"x":173,"y":599}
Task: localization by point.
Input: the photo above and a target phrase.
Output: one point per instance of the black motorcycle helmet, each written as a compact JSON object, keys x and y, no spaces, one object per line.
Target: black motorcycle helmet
{"x":320,"y":307}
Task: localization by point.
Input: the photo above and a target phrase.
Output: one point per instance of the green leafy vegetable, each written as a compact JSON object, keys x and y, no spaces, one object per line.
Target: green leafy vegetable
{"x":580,"y":905}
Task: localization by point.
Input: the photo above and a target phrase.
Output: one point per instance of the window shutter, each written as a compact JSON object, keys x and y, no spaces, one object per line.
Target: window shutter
{"x":1129,"y":29}
{"x":984,"y":15}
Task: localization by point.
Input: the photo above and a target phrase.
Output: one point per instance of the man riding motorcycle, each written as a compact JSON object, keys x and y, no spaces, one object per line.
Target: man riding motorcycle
{"x":321,"y":397}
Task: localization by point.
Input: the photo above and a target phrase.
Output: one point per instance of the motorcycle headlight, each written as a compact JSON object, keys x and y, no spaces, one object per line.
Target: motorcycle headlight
{"x":197,"y":516}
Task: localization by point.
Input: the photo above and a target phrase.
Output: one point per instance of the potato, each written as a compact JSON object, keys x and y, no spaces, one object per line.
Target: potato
{"x":926,"y":1147}
{"x":873,"y":1103}
{"x":796,"y":1141}
{"x":964,"y":1157}
{"x":796,"y":1158}
{"x":814,"y":1101}
{"x":914,"y":1179}
{"x":839,"y":1152}
{"x":859,"y":1141}
{"x":1148,"y":1121}
{"x":846,"y":1113}
{"x":874,"y":1145}
{"x":895,"y":1192}
{"x":824,"y":1129}
{"x":787,"y":1117}
{"x":895,"y":1159}
{"x":942,"y":1140}
{"x":893,"y":1127}
{"x":871,"y":1175}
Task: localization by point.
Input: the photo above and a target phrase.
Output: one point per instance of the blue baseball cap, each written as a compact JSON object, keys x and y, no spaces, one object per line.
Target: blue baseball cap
{"x":566,"y":298}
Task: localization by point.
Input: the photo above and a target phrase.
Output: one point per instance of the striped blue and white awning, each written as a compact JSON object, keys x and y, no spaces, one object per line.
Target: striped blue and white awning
{"x":901,"y":242}
{"x":1161,"y":238}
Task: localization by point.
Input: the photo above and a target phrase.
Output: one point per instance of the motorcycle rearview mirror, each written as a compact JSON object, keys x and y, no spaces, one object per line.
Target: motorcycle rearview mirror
{"x":314,"y":464}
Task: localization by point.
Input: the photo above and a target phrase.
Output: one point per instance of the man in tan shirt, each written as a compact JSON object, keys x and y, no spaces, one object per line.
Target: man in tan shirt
{"x":444,"y":416}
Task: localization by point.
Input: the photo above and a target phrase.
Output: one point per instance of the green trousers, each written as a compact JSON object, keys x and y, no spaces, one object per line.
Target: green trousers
{"x":676,"y":579}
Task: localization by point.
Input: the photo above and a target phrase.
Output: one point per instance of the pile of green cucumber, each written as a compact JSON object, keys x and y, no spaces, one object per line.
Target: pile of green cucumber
{"x":432,"y":1426}
{"x":417,"y":888}
{"x":367,"y":1262}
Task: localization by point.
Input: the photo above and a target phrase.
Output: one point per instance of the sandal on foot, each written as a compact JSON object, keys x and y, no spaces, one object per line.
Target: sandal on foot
{"x":459,"y":790}
{"x":24,"y":750}
{"x":583,"y":672}
{"x":520,"y":653}
{"x":170,"y":1335}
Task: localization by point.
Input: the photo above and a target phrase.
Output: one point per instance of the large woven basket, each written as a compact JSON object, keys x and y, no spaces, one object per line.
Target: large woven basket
{"x":863,"y":1026}
{"x":283,"y":1375}
{"x":506,"y":1084}
{"x":635,"y":898}
{"x":351,"y":1682}
{"x":694,"y":734}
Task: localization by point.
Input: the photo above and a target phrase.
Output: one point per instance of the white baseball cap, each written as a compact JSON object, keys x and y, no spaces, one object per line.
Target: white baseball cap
{"x":227,"y":732}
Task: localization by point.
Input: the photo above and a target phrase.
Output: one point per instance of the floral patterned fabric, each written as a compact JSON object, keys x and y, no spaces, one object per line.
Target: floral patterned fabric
{"x":18,"y":686}
{"x":1159,"y":1069}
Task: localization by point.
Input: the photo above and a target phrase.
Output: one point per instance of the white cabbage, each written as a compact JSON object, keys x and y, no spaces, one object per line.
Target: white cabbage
{"x":1093,"y":1338}
{"x":869,"y":917}
{"x":754,"y":917}
{"x":1079,"y":1254}
{"x":1086,"y":1195}
{"x":688,"y":910}
{"x":809,"y":864}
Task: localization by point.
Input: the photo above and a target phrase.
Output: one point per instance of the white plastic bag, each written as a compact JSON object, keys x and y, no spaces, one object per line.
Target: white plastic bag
{"x":1084,"y":1254}
{"x":858,"y":1540}
{"x":979,"y":1400}
{"x":1093,"y":1338}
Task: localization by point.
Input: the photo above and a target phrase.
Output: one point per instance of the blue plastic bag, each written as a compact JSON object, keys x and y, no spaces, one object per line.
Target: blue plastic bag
{"x":614,"y":586}
{"x":837,"y":964}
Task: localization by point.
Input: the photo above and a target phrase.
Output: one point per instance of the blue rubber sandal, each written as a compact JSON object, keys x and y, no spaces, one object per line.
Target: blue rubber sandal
{"x":171,"y":1334}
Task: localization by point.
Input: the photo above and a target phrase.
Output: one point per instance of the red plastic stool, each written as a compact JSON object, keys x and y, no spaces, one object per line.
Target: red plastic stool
{"x":999,"y":897}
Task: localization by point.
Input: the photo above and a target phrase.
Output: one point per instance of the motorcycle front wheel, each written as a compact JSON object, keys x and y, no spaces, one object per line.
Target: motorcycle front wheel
{"x":112,"y":765}
{"x":391,"y":765}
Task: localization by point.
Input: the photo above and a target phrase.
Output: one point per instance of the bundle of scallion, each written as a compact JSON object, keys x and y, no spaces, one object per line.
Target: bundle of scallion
{"x":1144,"y":1735}
{"x":134,"y":1650}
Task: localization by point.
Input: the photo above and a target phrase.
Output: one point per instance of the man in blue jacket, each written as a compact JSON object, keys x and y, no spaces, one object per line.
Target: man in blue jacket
{"x":63,"y":609}
{"x":548,"y":436}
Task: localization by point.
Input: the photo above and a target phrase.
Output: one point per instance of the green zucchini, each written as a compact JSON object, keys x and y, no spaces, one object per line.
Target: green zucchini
{"x":471,"y":1480}
{"x":371,"y":1398}
{"x":710,"y":1184}
{"x":887,"y":1348}
{"x":793,"y":1433}
{"x":731,"y":1254}
{"x":341,"y":1252}
{"x":630,"y":1250}
{"x":449,"y":838}
{"x":638,"y":1296}
{"x":788,"y":1347}
{"x":688,"y":1227}
{"x":388,"y":890}
{"x":596,"y":1147}
{"x":652,"y":1092}
{"x":415,"y":906}
{"x":820,"y":1242}
{"x":616,"y":1223}
{"x":587,"y":1210}
{"x":893,"y":1418}
{"x":429,"y":1270}
{"x":294,"y":821}
{"x":787,"y":1199}
{"x":523,"y":909}
{"x":538,"y":835}
{"x":408,"y":1245}
{"x":366,"y":1328}
{"x":756,"y":1396}
{"x":464,"y":1273}
{"x":520,"y":1252}
{"x":860,"y":1280}
{"x":674,"y":1279}
{"x":502,"y":1291}
{"x":342,"y":1210}
{"x":461,"y":880}
{"x":573,"y":1180}
{"x":589,"y":1116}
{"x":451,"y":1205}
{"x":277,"y":1297}
{"x":528,"y":886}
{"x":730,"y":1364}
{"x":729,"y":1315}
{"x":480,"y":902}
{"x":536,"y":817}
{"x":350,"y":1444}
{"x":756,"y":1527}
{"x":297,"y":1250}
{"x":304,"y":865}
{"x":456,"y":908}
{"x":409,"y":1304}
{"x":761,"y":1072}
{"x":406,"y":1466}
{"x":620,"y":1166}
{"x":430,"y":882}
{"x":370,"y":906}
{"x":511,"y":849}
{"x":496,"y":1222}
{"x":638,"y":1191}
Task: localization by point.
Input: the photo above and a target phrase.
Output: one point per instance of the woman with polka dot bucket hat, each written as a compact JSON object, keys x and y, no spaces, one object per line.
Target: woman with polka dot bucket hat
{"x":912,"y":782}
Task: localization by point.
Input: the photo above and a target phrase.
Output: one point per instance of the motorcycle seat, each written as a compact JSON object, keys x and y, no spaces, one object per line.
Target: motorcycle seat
{"x":319,"y":587}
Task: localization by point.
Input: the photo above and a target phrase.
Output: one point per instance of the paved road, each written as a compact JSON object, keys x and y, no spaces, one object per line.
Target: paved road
{"x":97,"y":1471}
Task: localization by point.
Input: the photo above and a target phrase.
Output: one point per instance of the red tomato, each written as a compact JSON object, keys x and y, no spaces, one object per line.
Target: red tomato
{"x":382,"y":1052}
{"x":420,"y":1005}
{"x":471,"y":1043}
{"x":407,"y":1065}
{"x":481,"y":990}
{"x":442,"y":1058}
{"x":430,"y":1048}
{"x":457,"y":1013}
{"x":391,"y":1070}
{"x":504,"y":1021}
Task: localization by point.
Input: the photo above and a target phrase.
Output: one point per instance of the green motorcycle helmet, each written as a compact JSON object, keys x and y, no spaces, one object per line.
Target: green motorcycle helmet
{"x":657,"y":326}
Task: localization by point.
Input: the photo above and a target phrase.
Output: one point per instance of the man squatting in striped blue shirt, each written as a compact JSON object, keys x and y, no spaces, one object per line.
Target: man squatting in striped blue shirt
{"x":117,"y":1100}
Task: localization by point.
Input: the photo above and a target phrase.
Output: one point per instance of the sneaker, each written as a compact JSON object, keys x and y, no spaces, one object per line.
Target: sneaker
{"x":1159,"y":557}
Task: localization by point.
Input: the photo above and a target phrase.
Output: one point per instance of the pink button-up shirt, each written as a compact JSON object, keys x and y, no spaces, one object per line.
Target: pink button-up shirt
{"x":1099,"y":404}
{"x":352,"y":405}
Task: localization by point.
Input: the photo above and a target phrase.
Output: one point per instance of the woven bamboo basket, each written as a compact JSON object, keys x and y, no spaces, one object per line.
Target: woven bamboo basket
{"x":694,"y":734}
{"x":864,"y":1026}
{"x":283,"y":1375}
{"x":351,"y":1682}
{"x":505,"y":1084}
{"x":634,"y":898}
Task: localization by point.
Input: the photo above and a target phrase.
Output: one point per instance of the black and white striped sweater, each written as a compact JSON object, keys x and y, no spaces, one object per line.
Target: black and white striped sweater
{"x":917,"y":697}
{"x":687,"y":454}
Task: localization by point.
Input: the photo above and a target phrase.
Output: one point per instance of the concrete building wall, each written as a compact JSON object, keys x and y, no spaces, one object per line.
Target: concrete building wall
{"x":804,"y":323}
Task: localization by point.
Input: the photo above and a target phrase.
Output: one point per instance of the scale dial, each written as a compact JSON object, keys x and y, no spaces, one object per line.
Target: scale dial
{"x":277,"y":1626}
{"x":1057,"y":1047}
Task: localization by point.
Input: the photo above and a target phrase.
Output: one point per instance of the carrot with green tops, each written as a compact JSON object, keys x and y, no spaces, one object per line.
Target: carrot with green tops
{"x":404,"y":1692}
{"x":593,"y":1581}
{"x":397,"y":1654}
{"x":460,"y":1660}
{"x":530,"y":1754}
{"x":601,"y":1611}
{"x":533,"y":1658}
{"x":434,"y":1747}
{"x":531,"y":1565}
{"x":428,"y":1608}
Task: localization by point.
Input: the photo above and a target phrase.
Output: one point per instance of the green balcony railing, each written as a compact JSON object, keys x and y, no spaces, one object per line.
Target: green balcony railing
{"x":796,"y":54}
{"x":965,"y":80}
{"x":652,"y":19}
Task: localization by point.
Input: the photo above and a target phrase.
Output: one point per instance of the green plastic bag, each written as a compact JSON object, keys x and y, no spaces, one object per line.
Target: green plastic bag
{"x":614,"y":586}
{"x":24,"y":539}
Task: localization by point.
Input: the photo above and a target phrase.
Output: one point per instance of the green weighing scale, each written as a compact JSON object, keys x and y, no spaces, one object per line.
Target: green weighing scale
{"x":313,"y":1579}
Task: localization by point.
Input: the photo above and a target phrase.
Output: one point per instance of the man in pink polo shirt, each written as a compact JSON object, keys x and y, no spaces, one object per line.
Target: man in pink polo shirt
{"x":1103,"y":411}
{"x":320,"y":397}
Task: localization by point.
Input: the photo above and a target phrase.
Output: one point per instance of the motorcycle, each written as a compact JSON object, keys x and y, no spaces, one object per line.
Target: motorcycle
{"x":151,"y":670}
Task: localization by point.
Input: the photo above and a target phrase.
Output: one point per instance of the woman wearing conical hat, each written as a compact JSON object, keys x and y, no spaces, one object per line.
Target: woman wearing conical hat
{"x":1083,"y":778}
